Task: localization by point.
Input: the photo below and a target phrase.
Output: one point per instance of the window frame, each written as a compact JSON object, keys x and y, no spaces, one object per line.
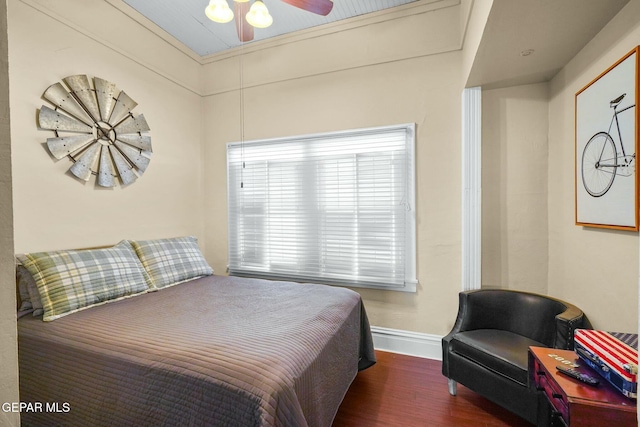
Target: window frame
{"x":409,"y":201}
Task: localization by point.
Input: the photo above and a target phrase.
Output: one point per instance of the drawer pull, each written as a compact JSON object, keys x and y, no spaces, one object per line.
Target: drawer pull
{"x":556,"y":396}
{"x":557,"y":420}
{"x":540,"y":373}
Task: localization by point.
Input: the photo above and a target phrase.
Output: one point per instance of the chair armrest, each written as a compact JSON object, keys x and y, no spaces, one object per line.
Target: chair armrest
{"x":458,"y":326}
{"x":566,"y":323}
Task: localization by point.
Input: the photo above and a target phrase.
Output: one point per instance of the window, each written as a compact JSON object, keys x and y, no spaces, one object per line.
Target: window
{"x":333,"y":208}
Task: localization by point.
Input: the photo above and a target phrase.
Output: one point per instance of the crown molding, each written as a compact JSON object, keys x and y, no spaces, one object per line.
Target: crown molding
{"x":399,"y":12}
{"x":43,"y":7}
{"x":418,"y":7}
{"x":154,"y":28}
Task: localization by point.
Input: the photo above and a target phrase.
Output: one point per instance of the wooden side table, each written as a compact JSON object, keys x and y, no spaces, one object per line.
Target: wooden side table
{"x":572,"y":402}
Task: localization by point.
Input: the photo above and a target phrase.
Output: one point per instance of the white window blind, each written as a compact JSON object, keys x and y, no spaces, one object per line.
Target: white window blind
{"x":333,"y":208}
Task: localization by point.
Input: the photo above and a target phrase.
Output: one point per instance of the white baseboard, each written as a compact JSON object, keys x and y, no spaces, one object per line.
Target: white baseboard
{"x":406,"y":342}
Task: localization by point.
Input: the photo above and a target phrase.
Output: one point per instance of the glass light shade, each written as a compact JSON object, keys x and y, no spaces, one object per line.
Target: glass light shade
{"x":258,"y":16}
{"x":219,"y":11}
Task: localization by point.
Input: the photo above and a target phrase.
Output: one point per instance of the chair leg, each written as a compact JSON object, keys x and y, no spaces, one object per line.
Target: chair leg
{"x":452,"y":386}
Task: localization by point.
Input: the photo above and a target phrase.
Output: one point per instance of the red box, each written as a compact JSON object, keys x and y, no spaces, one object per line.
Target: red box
{"x":613,"y":355}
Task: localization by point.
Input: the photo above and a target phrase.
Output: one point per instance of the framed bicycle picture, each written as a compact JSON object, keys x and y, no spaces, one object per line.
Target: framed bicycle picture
{"x":606,"y":184}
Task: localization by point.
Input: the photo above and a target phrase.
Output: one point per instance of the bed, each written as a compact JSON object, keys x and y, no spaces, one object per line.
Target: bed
{"x":212,"y":350}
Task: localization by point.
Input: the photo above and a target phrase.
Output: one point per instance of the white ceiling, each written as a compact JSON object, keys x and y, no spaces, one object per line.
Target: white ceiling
{"x":556,"y":30}
{"x":185,"y":20}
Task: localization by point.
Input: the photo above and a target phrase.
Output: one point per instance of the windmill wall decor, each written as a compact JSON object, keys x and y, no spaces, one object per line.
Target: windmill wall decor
{"x":96,"y":129}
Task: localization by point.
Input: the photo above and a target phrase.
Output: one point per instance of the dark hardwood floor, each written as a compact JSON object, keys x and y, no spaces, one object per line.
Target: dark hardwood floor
{"x":407,"y":391}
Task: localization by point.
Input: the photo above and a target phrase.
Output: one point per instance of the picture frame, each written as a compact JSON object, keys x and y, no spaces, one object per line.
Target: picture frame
{"x":606,"y":142}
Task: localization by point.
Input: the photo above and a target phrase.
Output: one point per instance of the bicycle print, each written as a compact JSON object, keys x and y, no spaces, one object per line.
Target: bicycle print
{"x":606,"y":140}
{"x":602,"y":161}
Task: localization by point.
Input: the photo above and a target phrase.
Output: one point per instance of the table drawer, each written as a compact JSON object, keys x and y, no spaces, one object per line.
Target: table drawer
{"x":570,"y":401}
{"x":556,"y":397}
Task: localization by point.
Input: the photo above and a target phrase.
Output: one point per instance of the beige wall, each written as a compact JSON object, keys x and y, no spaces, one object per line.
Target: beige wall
{"x":362,"y":77}
{"x":530,"y":240}
{"x":474,"y":29}
{"x":596,"y":269}
{"x":52,"y":209}
{"x":515,"y":155}
{"x":9,"y":346}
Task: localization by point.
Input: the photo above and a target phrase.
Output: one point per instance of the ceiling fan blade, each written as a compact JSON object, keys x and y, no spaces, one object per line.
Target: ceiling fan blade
{"x":319,"y":7}
{"x":244,"y":29}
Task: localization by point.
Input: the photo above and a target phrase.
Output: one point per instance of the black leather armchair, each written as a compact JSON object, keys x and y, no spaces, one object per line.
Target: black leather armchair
{"x":487,"y":349}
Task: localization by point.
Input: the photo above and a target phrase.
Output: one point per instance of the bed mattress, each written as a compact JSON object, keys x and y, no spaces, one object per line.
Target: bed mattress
{"x":214,"y":351}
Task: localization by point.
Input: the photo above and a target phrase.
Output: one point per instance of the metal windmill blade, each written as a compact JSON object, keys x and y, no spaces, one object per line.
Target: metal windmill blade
{"x":106,"y":92}
{"x":81,"y":89}
{"x":134,"y":156}
{"x":142,"y":142}
{"x":84,"y":165}
{"x":63,"y":146}
{"x":105,"y":170}
{"x":58,"y":96}
{"x":123,"y":107}
{"x":54,"y":120}
{"x":132,"y":125}
{"x":125,"y":171}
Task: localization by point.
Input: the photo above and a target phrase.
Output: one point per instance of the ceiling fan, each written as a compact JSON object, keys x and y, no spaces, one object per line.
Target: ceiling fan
{"x":247,"y":15}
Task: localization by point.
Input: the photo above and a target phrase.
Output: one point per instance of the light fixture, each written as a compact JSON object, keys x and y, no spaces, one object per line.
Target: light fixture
{"x":259,"y":16}
{"x":219,"y":11}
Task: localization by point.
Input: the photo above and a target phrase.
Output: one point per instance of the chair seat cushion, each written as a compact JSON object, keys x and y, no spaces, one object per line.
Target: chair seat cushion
{"x":500,"y":351}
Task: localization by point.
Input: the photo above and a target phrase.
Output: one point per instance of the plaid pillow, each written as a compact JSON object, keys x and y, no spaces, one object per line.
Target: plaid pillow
{"x":28,"y":293}
{"x":172,"y":261}
{"x":23,"y":291}
{"x":69,"y":281}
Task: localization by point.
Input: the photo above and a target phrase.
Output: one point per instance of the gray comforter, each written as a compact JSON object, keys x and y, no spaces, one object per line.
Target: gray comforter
{"x":215,"y":351}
